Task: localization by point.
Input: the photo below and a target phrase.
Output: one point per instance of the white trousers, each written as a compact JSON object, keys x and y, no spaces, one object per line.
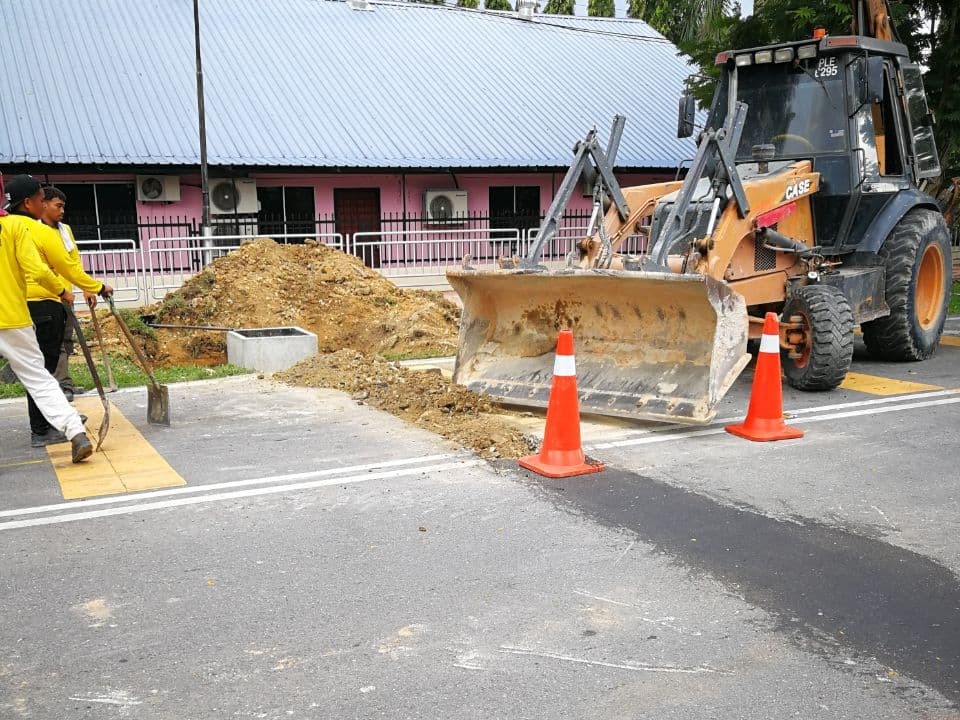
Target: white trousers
{"x":20,"y":348}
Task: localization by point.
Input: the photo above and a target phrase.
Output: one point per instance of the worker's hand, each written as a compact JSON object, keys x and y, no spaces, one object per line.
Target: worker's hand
{"x":106,"y":291}
{"x":67,"y":298}
{"x":91,"y":299}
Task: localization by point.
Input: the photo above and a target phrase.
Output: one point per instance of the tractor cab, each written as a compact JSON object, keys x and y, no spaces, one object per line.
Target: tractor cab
{"x":852,"y":105}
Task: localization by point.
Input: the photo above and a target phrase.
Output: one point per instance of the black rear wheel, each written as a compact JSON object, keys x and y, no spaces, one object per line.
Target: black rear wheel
{"x":822,"y":340}
{"x":917,"y":259}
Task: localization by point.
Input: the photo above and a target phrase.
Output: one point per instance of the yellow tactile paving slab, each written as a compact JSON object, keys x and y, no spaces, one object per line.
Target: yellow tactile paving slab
{"x":126,"y":462}
{"x":876,"y":385}
{"x":950,"y":340}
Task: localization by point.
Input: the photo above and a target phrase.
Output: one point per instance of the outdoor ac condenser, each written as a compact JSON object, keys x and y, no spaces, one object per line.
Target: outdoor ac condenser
{"x":158,"y":188}
{"x":445,"y":205}
{"x":229,"y":196}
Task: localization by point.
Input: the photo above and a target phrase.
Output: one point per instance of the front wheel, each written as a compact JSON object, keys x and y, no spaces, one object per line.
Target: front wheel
{"x":916,"y":256}
{"x":822,"y":341}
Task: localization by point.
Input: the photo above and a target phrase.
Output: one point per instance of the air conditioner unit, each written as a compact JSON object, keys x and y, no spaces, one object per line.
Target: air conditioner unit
{"x":229,"y":196}
{"x":158,"y":188}
{"x":445,"y":205}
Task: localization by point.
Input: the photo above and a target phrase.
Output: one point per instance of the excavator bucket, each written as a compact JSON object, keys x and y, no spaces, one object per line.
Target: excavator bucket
{"x":649,"y":345}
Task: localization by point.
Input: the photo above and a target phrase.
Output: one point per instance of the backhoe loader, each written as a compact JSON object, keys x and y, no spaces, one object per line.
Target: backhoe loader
{"x":804,"y":198}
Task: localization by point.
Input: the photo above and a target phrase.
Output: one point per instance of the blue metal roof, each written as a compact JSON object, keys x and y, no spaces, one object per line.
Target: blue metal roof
{"x":315,"y":83}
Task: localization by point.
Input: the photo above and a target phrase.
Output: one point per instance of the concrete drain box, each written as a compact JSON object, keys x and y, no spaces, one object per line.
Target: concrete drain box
{"x":270,"y":349}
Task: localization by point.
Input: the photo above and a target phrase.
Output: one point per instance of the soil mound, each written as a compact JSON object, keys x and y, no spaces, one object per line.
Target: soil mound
{"x":264,"y":284}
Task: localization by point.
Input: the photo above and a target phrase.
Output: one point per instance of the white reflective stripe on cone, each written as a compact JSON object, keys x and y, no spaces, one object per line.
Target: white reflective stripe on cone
{"x":565,"y":366}
{"x":770,"y":344}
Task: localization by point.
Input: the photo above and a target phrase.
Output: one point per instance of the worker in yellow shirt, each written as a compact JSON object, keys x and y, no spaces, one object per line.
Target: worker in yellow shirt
{"x":19,"y":263}
{"x":54,"y":207}
{"x":48,"y":312}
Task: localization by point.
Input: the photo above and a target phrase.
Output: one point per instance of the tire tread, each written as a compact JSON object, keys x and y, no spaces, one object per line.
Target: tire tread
{"x":831,"y":328}
{"x":894,"y":337}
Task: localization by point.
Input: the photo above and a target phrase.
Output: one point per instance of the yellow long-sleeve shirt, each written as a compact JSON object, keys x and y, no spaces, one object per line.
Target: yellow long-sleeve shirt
{"x":66,"y":265}
{"x":74,"y":251}
{"x":20,"y":262}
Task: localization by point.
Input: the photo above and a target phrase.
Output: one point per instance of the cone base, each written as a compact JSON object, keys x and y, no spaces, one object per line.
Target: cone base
{"x":537,"y":465}
{"x":764,"y":430}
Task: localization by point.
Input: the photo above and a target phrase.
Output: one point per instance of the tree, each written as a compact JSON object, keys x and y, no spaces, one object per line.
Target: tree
{"x":929,"y":28}
{"x":497,"y":5}
{"x":600,"y":8}
{"x":559,"y":7}
{"x":473,"y":4}
{"x":682,"y":20}
{"x":943,"y":89}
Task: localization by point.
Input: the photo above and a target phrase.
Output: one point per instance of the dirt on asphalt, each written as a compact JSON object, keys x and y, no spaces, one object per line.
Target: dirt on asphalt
{"x":358,"y":316}
{"x":422,"y":397}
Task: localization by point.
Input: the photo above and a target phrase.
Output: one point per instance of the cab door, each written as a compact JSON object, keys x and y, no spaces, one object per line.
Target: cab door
{"x":882,"y":147}
{"x":923,"y":149}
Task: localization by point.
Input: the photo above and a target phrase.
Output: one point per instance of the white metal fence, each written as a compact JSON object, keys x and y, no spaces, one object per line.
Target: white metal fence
{"x":118,"y":263}
{"x":145,"y":274}
{"x":171,"y":261}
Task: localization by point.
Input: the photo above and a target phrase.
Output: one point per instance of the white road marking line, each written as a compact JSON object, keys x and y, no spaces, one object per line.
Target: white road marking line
{"x":252,"y":492}
{"x":789,"y":413}
{"x":135,"y":497}
{"x":620,"y":666}
{"x":800,"y":420}
{"x":875,"y":401}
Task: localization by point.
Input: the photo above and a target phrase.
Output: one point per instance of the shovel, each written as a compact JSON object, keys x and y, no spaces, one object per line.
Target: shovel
{"x":105,"y":424}
{"x":158,"y":397}
{"x":103,"y":350}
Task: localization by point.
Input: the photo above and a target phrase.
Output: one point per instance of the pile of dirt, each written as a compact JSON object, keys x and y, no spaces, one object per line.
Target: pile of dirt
{"x":357,"y":315}
{"x":422,"y":397}
{"x":323,"y":290}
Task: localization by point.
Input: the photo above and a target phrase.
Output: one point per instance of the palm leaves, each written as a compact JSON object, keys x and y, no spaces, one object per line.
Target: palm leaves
{"x":682,"y":20}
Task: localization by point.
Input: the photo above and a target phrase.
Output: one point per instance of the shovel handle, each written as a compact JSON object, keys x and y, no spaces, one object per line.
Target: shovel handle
{"x":136,"y":348}
{"x":103,"y":349}
{"x":105,"y":424}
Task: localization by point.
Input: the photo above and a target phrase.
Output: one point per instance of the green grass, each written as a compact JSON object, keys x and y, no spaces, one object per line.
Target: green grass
{"x":954,"y":308}
{"x":126,"y":374}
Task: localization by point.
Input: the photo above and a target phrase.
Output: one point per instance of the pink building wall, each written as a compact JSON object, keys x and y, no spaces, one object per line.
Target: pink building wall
{"x":394,"y":188}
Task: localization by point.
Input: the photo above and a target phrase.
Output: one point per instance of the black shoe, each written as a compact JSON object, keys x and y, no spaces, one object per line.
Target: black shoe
{"x":82,"y":447}
{"x":83,"y":419}
{"x":68,"y":394}
{"x":50,"y":437}
{"x":77,"y":390}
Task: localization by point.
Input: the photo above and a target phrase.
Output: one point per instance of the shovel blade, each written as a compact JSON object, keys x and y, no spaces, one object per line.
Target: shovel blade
{"x":649,"y":345}
{"x":104,"y":425}
{"x":158,"y":405}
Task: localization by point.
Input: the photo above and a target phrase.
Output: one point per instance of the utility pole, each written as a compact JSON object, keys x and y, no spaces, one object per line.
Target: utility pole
{"x":206,"y":230}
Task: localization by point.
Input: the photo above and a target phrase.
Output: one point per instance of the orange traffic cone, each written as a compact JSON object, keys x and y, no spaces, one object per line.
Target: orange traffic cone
{"x":765,"y":413}
{"x":561,"y":454}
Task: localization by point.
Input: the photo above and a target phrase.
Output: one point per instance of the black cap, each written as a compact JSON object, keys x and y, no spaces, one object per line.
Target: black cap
{"x":18,"y":189}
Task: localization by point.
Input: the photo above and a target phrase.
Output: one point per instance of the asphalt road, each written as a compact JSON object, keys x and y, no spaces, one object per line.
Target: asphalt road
{"x":325,"y":560}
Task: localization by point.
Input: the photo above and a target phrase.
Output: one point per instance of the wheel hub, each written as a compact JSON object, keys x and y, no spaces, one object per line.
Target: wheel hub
{"x":795,"y":336}
{"x":930,"y":287}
